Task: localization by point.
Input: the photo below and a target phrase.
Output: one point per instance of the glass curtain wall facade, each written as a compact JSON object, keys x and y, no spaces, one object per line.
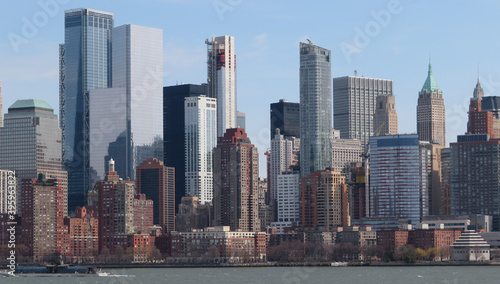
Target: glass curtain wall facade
{"x":399,"y":177}
{"x":85,"y":60}
{"x":315,"y":109}
{"x":138,"y":67}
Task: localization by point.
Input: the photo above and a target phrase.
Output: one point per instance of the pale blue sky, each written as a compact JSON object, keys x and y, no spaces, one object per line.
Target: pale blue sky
{"x":458,"y":35}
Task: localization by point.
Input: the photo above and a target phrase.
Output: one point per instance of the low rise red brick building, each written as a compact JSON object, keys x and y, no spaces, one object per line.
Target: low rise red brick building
{"x":220,"y":242}
{"x":83,"y":234}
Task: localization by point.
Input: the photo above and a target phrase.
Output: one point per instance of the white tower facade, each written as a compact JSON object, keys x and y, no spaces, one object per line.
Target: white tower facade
{"x":222,"y":80}
{"x":200,"y":134}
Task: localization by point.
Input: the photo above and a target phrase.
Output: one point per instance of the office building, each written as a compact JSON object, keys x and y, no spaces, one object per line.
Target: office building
{"x":157,"y":182}
{"x":385,"y":121}
{"x":221,"y":79}
{"x":8,"y":183}
{"x":85,"y":63}
{"x":1,"y":105}
{"x":399,"y":177}
{"x":192,"y":215}
{"x":221,"y":242}
{"x":43,"y":230}
{"x":287,"y":201}
{"x":345,"y":152}
{"x":315,"y":108}
{"x":480,"y":121}
{"x":120,"y":117}
{"x":241,"y":120}
{"x":323,"y":201}
{"x":173,"y":131}
{"x":83,"y":231}
{"x":236,"y":181}
{"x":475,"y":179}
{"x":285,"y":116}
{"x":143,"y":214}
{"x":200,"y":135}
{"x":284,"y":158}
{"x":30,"y":143}
{"x":354,"y":105}
{"x":431,"y":112}
{"x":116,"y":211}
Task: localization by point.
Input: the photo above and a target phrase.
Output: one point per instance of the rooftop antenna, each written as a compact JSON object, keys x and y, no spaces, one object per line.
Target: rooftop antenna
{"x":478,"y":71}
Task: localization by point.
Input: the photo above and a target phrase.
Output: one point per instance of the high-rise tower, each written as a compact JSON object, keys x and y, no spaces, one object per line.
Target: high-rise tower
{"x":236,"y":181}
{"x":1,"y":105}
{"x":85,"y":60}
{"x":30,"y":143}
{"x":431,"y":112}
{"x":354,"y":105}
{"x":133,"y":107}
{"x":385,"y":121}
{"x":200,"y":135}
{"x":222,"y":80}
{"x":315,"y":108}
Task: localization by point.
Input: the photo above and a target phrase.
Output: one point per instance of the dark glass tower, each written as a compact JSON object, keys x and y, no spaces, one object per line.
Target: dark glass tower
{"x":173,"y":131}
{"x":285,"y":116}
{"x":315,"y":108}
{"x":85,"y":60}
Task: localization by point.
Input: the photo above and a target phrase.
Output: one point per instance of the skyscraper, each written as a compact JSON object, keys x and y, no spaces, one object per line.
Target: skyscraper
{"x":240,"y":119}
{"x":431,"y":112}
{"x":345,"y":152}
{"x":116,"y":208}
{"x":8,"y":183}
{"x":475,"y":178}
{"x":200,"y":134}
{"x":30,"y":143}
{"x":236,"y":181}
{"x":385,"y":121}
{"x":285,"y":116}
{"x":315,"y":108}
{"x":43,"y":229}
{"x":284,"y":155}
{"x":354,"y":104}
{"x":85,"y":60}
{"x":222,"y":80}
{"x":480,"y":121}
{"x":323,"y":201}
{"x":173,"y":131}
{"x":399,"y":177}
{"x":157,"y":182}
{"x":120,"y":117}
{"x":1,"y":105}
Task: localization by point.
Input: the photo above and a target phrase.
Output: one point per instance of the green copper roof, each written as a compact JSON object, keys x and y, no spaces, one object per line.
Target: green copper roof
{"x":430,"y":84}
{"x":30,"y":103}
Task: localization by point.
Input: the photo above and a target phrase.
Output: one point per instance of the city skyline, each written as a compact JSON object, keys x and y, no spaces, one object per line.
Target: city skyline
{"x":393,"y":49}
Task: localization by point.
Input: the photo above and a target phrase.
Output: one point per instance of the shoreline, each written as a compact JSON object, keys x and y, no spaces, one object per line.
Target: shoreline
{"x":257,"y":265}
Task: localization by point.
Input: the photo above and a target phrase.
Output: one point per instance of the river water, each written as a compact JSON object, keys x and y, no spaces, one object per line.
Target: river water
{"x":275,"y":275}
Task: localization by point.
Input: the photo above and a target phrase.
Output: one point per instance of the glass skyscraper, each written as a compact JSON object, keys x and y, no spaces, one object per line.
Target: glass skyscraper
{"x":315,"y":108}
{"x":85,"y":58}
{"x":126,"y":121}
{"x":399,"y":177}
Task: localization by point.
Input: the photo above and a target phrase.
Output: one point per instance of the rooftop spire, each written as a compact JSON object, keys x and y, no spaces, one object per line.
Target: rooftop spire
{"x":478,"y":91}
{"x":430,"y":84}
